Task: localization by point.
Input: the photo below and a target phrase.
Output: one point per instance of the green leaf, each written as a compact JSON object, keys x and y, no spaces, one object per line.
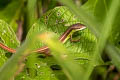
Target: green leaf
{"x":58,"y":20}
{"x":8,"y":38}
{"x":16,"y":61}
{"x":3,"y":58}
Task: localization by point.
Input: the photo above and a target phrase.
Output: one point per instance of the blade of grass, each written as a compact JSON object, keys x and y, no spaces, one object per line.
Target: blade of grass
{"x":39,"y":8}
{"x":114,"y":55}
{"x":30,"y":13}
{"x":29,"y":16}
{"x":72,"y":69}
{"x":107,"y":27}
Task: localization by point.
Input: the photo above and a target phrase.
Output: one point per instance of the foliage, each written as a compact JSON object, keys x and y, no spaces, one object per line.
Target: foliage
{"x":43,"y":22}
